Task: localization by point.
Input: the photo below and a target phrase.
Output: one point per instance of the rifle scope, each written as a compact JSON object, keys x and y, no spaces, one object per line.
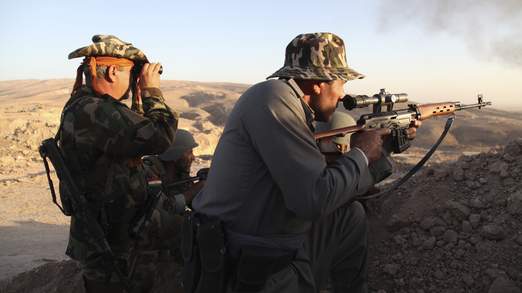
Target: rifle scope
{"x":382,"y":98}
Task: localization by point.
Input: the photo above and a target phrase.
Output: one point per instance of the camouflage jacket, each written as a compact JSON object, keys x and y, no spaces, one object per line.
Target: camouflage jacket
{"x":102,"y":141}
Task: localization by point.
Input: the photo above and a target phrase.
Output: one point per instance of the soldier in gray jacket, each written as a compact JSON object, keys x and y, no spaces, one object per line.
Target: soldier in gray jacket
{"x":290,"y":220}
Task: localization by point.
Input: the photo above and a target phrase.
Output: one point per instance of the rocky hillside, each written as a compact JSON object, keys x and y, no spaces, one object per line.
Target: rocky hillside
{"x":453,"y":228}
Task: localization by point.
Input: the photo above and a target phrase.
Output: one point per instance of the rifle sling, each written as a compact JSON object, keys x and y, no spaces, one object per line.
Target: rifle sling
{"x":51,"y":185}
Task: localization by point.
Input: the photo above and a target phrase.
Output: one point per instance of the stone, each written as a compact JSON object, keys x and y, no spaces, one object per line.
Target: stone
{"x":439,"y":274}
{"x":469,"y":175}
{"x":391,"y":269}
{"x":493,"y":232}
{"x":415,"y":240}
{"x":513,"y":149}
{"x":514,"y":203}
{"x":474,"y":220}
{"x":498,"y":166}
{"x":508,"y":158}
{"x":450,"y":236}
{"x":427,"y":223}
{"x":467,"y":279}
{"x":494,"y":273}
{"x":467,"y":159}
{"x":399,"y":239}
{"x":472,"y":184}
{"x":400,"y":282}
{"x":508,"y":182}
{"x":490,"y":196}
{"x":437,"y":231}
{"x":459,"y":252}
{"x":504,"y":173}
{"x":503,"y":285}
{"x":466,"y":227}
{"x":477,"y":203}
{"x":459,"y":209}
{"x":395,"y":223}
{"x":429,"y":243}
{"x":449,"y":247}
{"x":458,"y":174}
{"x":519,"y":240}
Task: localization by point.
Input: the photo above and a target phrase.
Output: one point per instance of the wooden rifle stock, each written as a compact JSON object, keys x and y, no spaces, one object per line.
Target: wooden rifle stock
{"x":337,"y":132}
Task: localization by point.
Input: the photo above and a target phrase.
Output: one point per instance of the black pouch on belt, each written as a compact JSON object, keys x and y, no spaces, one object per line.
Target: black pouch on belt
{"x":257,"y":264}
{"x":190,"y":253}
{"x":211,"y":242}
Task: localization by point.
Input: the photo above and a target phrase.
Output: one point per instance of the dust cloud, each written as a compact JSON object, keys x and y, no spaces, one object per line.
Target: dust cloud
{"x":492,"y":30}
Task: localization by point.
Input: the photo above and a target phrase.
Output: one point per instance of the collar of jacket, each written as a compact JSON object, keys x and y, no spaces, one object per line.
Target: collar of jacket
{"x":309,"y":112}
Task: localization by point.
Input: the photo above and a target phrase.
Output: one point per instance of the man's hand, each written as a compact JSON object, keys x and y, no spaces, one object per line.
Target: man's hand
{"x":150,"y":76}
{"x":370,"y":142}
{"x":412,"y":131}
{"x":193,"y":191}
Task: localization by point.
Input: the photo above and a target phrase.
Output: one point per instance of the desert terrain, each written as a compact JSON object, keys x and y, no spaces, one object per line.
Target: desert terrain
{"x":454,"y":227}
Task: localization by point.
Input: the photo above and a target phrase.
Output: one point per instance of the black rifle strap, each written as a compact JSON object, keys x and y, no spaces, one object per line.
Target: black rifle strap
{"x":416,"y":168}
{"x":51,"y":185}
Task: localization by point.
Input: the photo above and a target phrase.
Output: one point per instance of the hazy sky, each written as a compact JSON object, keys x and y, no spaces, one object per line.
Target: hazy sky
{"x":430,"y":49}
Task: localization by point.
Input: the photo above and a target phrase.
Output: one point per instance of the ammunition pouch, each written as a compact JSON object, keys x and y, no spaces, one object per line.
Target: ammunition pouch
{"x":203,"y":251}
{"x":207,"y":265}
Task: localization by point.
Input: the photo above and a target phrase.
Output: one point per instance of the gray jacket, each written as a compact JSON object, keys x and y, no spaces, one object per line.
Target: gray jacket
{"x":268,"y":178}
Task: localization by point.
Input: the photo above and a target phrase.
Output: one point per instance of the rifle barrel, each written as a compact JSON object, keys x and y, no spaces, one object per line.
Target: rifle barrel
{"x":477,"y":105}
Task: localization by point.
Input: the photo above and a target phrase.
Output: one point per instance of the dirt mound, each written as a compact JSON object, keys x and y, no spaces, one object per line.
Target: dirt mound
{"x":49,"y":278}
{"x":452,"y":228}
{"x":65,"y":277}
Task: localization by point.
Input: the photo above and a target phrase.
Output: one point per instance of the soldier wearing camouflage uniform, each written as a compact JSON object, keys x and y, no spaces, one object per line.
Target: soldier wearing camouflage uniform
{"x":290,"y":220}
{"x":170,"y":167}
{"x":102,"y":141}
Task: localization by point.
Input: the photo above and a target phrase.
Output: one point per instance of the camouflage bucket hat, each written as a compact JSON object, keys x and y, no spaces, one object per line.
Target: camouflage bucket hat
{"x":110,"y":46}
{"x":320,"y":56}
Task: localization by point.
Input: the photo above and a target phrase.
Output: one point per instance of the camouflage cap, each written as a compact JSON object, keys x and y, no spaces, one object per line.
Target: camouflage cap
{"x":111,"y":46}
{"x":320,"y":56}
{"x":183,"y":141}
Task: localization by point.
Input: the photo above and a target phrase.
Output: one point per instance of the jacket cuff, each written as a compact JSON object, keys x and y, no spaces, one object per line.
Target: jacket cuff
{"x":365,"y":177}
{"x":151,"y":92}
{"x":363,"y":154}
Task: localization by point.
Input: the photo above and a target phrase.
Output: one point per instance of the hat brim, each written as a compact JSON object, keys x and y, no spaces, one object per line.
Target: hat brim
{"x":316,"y":73}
